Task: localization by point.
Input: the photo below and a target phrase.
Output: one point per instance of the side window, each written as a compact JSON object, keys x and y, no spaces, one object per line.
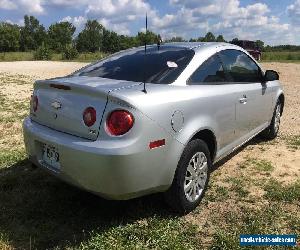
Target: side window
{"x":211,"y":71}
{"x":240,"y":67}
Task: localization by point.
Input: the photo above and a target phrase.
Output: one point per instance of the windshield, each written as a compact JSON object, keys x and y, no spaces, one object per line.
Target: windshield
{"x":162,"y":65}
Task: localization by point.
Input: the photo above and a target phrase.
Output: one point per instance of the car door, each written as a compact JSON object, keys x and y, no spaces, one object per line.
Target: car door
{"x":254,"y":99}
{"x":216,"y":100}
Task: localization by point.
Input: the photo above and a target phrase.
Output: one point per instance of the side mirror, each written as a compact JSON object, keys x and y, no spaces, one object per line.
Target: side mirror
{"x":271,"y":75}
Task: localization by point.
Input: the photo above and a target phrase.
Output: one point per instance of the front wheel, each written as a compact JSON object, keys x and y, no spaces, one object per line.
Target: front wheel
{"x":272,"y":131}
{"x":191,"y":178}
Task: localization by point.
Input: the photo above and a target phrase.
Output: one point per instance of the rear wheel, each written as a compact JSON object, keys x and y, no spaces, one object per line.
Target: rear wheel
{"x":272,"y":131}
{"x":191,"y":178}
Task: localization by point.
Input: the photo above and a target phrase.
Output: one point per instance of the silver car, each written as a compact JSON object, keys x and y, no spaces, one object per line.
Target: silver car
{"x":102,"y":129}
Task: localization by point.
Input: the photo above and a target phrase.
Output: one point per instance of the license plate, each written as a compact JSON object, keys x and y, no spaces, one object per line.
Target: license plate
{"x":51,"y":156}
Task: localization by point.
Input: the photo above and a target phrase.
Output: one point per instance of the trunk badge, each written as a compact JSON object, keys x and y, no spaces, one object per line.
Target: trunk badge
{"x":56,"y":105}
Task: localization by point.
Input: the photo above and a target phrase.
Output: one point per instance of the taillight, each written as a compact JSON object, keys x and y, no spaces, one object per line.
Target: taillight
{"x":119,"y":122}
{"x":89,"y":116}
{"x":34,"y":103}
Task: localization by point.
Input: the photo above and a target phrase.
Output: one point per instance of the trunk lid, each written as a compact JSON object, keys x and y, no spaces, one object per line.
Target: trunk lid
{"x":62,"y":101}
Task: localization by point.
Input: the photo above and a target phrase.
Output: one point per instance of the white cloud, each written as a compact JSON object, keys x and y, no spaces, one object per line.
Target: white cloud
{"x":119,"y":15}
{"x":111,"y":8}
{"x":78,"y":21}
{"x":293,"y":11}
{"x":225,"y":17}
{"x":32,"y":6}
{"x":186,"y":18}
{"x":26,"y":6}
{"x":120,"y":28}
{"x":67,"y":3}
{"x":20,"y":22}
{"x":7,"y":5}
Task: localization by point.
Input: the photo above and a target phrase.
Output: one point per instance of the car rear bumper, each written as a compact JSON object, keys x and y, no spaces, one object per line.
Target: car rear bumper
{"x":111,"y":171}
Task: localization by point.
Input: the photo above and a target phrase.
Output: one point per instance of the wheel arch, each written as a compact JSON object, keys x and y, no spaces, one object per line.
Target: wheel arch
{"x":209,"y":138}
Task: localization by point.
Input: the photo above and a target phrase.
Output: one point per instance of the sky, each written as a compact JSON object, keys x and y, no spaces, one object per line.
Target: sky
{"x":272,"y":21}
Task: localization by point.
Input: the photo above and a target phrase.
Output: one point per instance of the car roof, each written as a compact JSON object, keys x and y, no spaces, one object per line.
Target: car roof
{"x":196,"y":46}
{"x":193,"y":45}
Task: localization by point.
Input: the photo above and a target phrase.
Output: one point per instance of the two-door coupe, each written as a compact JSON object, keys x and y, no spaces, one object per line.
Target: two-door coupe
{"x":102,"y":130}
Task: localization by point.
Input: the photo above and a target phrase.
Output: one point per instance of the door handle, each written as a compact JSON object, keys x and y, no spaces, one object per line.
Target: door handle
{"x":243,"y":100}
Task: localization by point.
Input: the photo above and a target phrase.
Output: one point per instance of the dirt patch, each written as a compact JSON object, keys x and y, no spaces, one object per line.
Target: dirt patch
{"x":40,"y":69}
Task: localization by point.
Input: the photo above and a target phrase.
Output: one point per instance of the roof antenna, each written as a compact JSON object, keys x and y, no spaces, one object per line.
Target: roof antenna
{"x":159,"y":41}
{"x":144,"y":89}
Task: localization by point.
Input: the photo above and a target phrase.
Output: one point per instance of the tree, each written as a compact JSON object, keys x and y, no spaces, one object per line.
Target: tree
{"x":260,"y":44}
{"x":220,"y":38}
{"x":9,"y":37}
{"x":127,"y":42}
{"x":91,"y":37}
{"x":234,"y":40}
{"x":32,"y":34}
{"x":176,"y":39}
{"x":149,"y":38}
{"x":111,"y":41}
{"x":209,"y":37}
{"x":60,"y":35}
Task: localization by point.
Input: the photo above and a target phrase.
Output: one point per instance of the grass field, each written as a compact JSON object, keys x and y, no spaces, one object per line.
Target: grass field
{"x":29,"y":56}
{"x":293,"y":57}
{"x":281,"y":56}
{"x":255,"y":190}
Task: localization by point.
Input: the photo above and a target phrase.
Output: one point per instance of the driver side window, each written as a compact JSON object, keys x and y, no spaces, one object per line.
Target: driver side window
{"x":239,"y":67}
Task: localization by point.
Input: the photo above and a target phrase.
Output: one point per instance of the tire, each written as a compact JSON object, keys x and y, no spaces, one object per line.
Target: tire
{"x":271,"y":132}
{"x":183,"y":200}
{"x":33,"y":166}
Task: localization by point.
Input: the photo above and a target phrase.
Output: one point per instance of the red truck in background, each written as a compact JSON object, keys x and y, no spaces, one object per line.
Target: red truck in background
{"x":251,"y":47}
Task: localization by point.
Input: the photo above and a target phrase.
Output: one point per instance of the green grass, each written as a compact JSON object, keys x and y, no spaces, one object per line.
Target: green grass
{"x":275,"y":191}
{"x":285,"y":56}
{"x":40,"y":210}
{"x":29,"y":56}
{"x":268,"y":220}
{"x":238,"y":186}
{"x":16,"y":56}
{"x":154,"y":233}
{"x":15,"y":110}
{"x":262,"y":165}
{"x":293,"y":141}
{"x":9,"y":157}
{"x":91,"y":57}
{"x":216,"y":193}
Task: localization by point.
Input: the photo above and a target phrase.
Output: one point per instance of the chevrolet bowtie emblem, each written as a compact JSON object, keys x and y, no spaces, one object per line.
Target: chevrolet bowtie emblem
{"x":56,"y":105}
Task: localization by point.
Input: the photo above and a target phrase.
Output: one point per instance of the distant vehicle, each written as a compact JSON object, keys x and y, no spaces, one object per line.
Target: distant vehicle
{"x":250,"y":46}
{"x":99,"y":130}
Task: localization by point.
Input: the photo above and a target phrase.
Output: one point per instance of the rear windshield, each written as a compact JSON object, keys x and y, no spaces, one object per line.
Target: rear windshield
{"x":161,"y":66}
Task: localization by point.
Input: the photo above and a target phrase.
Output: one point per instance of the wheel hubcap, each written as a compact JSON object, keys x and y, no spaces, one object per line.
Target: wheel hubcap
{"x":195,"y":177}
{"x":277,"y":118}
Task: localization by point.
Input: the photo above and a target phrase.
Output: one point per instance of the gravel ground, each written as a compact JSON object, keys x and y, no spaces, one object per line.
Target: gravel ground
{"x":40,"y":69}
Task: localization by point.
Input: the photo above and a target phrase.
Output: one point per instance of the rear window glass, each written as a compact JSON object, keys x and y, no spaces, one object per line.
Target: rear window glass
{"x":161,"y":66}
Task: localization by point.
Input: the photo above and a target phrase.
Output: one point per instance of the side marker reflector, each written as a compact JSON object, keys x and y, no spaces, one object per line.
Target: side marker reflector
{"x":59,"y":86}
{"x":156,"y":144}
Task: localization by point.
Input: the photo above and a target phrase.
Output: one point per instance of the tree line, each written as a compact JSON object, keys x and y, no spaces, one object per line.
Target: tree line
{"x":60,"y":38}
